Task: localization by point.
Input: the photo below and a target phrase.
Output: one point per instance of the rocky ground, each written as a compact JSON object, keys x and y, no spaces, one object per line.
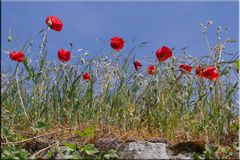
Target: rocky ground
{"x":152,"y":149}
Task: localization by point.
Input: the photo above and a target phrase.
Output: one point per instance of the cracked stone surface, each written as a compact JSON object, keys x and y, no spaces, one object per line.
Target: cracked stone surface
{"x":149,"y":150}
{"x":143,"y":150}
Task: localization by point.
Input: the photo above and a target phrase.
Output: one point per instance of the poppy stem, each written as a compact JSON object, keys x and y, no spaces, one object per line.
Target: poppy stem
{"x":43,"y":44}
{"x":209,"y":47}
{"x":19,"y":93}
{"x":43,"y":52}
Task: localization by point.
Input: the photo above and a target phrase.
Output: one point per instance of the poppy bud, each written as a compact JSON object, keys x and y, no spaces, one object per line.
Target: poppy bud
{"x":211,"y":87}
{"x":49,"y":23}
{"x":174,"y":59}
{"x":82,"y":61}
{"x":9,"y":38}
{"x":209,"y":22}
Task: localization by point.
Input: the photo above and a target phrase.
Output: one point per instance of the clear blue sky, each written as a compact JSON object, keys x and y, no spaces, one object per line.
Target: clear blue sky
{"x":175,"y":24}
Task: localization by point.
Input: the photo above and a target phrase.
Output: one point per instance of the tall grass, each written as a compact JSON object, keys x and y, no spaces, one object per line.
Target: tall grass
{"x":170,"y":102}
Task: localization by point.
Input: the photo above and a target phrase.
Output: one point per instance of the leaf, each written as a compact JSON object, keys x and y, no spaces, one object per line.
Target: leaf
{"x":13,"y":153}
{"x":196,"y":156}
{"x":76,"y":155}
{"x":41,"y":125}
{"x":21,"y":137}
{"x":232,"y":41}
{"x":35,"y":130}
{"x":144,"y":43}
{"x":42,"y":60}
{"x":41,"y":31}
{"x":88,"y":132}
{"x":71,"y":146}
{"x":225,"y":71}
{"x":4,"y":131}
{"x":210,"y":150}
{"x":72,"y":155}
{"x":203,"y":96}
{"x":111,"y":154}
{"x":26,"y":78}
{"x":50,"y":154}
{"x":29,"y":69}
{"x":213,"y":148}
{"x":207,"y":155}
{"x":90,"y":149}
{"x":80,"y":133}
{"x":184,"y":48}
{"x":237,"y":64}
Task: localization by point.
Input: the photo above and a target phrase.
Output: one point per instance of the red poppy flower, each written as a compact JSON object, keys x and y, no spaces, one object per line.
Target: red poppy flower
{"x":151,"y":70}
{"x":199,"y":71}
{"x":86,"y":76}
{"x":163,"y":53}
{"x":17,"y":56}
{"x":64,"y":55}
{"x":185,"y":68}
{"x":210,"y":73}
{"x":137,"y":64}
{"x":54,"y":23}
{"x":117,"y":43}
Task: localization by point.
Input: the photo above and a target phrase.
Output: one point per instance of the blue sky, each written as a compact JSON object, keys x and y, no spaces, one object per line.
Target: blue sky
{"x":175,"y":24}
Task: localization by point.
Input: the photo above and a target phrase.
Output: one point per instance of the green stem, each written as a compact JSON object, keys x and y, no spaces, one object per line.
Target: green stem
{"x":19,"y":93}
